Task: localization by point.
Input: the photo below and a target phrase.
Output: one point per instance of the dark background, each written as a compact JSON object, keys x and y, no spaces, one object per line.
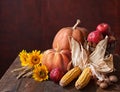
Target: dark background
{"x":32,"y":24}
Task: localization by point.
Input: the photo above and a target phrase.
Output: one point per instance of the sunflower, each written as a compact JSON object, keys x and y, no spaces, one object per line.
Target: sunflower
{"x":40,"y":73}
{"x":23,"y":58}
{"x":34,"y":58}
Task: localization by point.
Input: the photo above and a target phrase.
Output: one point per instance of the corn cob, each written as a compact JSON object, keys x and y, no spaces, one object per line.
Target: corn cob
{"x":70,"y":76}
{"x":84,"y":78}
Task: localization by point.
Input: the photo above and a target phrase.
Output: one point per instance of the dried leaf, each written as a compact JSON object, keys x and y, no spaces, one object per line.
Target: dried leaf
{"x":99,"y":51}
{"x":106,"y":65}
{"x":97,"y":57}
{"x":79,"y":55}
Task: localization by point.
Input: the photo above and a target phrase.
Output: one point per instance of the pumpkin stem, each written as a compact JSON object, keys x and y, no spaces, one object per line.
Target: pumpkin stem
{"x":77,"y":22}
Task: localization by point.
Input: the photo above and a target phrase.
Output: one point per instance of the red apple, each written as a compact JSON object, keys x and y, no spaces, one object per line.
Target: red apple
{"x":94,"y":37}
{"x":56,"y":74}
{"x":104,"y":28}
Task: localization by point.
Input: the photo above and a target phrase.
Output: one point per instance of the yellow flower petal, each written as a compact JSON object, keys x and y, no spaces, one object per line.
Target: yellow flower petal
{"x":40,"y":73}
{"x":23,"y":58}
{"x":34,"y":58}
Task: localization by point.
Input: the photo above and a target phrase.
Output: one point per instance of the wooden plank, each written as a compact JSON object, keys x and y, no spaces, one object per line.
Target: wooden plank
{"x":9,"y":83}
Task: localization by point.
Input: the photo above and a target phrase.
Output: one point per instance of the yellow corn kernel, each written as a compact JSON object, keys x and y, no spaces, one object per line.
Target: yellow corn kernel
{"x":84,"y":78}
{"x":70,"y":76}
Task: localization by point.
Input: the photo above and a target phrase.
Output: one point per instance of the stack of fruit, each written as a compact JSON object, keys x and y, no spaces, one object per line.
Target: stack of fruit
{"x":76,"y":53}
{"x":101,"y":31}
{"x":59,"y":59}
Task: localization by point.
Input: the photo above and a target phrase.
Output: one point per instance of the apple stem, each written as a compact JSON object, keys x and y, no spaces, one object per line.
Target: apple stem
{"x":77,"y":22}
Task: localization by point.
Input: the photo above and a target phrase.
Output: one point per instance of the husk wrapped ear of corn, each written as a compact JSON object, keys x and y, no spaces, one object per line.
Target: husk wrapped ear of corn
{"x":97,"y":64}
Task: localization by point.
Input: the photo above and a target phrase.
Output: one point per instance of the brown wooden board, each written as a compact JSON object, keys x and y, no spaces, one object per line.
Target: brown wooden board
{"x":9,"y":83}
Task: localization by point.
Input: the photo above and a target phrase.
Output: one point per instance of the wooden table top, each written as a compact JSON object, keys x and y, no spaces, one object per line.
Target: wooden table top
{"x":9,"y":83}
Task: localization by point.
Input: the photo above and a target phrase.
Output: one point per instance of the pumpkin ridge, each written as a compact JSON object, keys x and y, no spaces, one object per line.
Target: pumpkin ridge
{"x":53,"y":59}
{"x":66,"y":61}
{"x":78,"y":33}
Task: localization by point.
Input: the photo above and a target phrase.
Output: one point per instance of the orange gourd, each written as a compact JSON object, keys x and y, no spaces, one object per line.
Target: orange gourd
{"x":56,"y":58}
{"x":61,"y":38}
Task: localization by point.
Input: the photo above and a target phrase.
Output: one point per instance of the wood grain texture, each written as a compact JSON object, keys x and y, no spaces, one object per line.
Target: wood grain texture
{"x":32,"y":24}
{"x":9,"y":83}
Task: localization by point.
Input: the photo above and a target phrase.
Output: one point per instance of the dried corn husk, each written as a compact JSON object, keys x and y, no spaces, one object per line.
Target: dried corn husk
{"x":98,"y":59}
{"x":98,"y":62}
{"x":106,"y":65}
{"x":79,"y":54}
{"x":99,"y":51}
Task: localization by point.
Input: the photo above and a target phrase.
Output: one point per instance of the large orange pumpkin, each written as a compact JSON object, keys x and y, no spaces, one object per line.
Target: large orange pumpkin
{"x":61,"y":38}
{"x":53,"y":58}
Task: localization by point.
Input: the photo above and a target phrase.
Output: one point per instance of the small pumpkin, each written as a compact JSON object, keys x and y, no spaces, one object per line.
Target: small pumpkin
{"x":61,"y":38}
{"x":56,"y":58}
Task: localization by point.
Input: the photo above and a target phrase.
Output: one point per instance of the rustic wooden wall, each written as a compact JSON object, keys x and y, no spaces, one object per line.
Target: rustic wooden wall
{"x":32,"y":24}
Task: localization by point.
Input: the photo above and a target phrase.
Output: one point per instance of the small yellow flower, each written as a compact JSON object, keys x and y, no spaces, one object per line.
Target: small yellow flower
{"x":40,"y":73}
{"x":34,"y":58}
{"x":23,"y":58}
